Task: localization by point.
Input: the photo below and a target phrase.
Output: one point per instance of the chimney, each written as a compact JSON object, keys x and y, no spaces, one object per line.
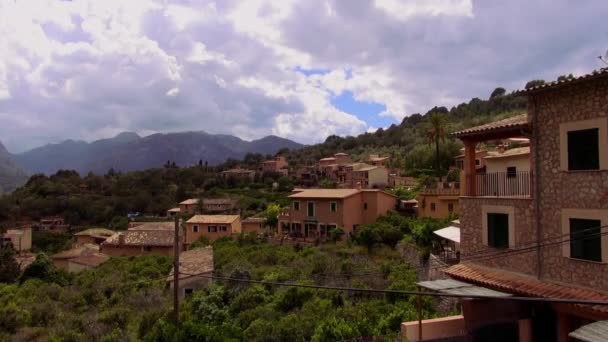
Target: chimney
{"x":121,"y":239}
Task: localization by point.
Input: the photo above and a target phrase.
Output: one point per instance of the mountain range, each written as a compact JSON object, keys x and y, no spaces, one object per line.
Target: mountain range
{"x":11,"y":175}
{"x":130,"y":152}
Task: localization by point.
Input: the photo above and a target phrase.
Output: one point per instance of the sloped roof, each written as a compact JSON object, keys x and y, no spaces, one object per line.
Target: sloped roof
{"x":162,"y":238}
{"x":514,"y":122}
{"x":174,"y":210}
{"x":451,"y":233}
{"x":593,"y":332}
{"x":190,"y":201}
{"x":550,"y":85}
{"x":325,"y":193}
{"x":525,"y":285}
{"x":254,"y":220}
{"x":195,"y":261}
{"x":167,"y":225}
{"x":96,"y":232}
{"x":327,"y":159}
{"x":218,"y":201}
{"x":86,"y":249}
{"x":512,"y":152}
{"x":92,"y":260}
{"x":213,"y":219}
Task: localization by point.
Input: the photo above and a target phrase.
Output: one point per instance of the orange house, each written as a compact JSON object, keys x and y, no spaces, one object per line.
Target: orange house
{"x":212,"y":227}
{"x":314,"y":212}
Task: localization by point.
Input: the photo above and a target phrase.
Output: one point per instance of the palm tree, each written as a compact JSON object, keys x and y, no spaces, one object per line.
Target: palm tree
{"x":435,"y":133}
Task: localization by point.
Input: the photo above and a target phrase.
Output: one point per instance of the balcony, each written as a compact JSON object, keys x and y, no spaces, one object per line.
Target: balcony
{"x":500,"y":184}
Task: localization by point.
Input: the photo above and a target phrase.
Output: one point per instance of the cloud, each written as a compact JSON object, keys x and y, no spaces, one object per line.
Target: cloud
{"x":88,"y":69}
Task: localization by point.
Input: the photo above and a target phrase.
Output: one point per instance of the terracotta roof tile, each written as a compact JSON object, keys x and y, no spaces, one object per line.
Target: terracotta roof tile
{"x":92,"y":260}
{"x":142,"y":238}
{"x":213,"y":219}
{"x":155,"y":226}
{"x":194,"y":261}
{"x":549,"y":85}
{"x":512,"y":122}
{"x":525,"y":285}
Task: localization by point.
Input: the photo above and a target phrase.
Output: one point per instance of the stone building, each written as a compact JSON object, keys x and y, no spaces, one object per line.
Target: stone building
{"x":542,"y":233}
{"x":195,"y":268}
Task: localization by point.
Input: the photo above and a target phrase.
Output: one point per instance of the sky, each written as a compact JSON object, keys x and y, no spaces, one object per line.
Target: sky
{"x":302,"y":70}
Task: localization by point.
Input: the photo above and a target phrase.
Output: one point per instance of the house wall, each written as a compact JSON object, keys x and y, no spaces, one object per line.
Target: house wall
{"x":378,"y":204}
{"x":252,"y":227}
{"x":521,"y":162}
{"x":194,"y":283}
{"x":187,"y":208}
{"x":203,"y":230}
{"x":323,"y":212}
{"x":21,"y":242}
{"x":378,"y":177}
{"x":117,"y":251}
{"x":441,"y":205}
{"x":569,"y":190}
{"x":473,"y":237}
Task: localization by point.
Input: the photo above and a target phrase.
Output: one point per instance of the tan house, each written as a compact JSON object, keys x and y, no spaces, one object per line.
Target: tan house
{"x":93,"y":236}
{"x":140,"y":241}
{"x":395,"y":180}
{"x":196,"y":268}
{"x":20,"y":238}
{"x":253,"y":225}
{"x":219,"y":205}
{"x":174,"y":211}
{"x":278,"y":164}
{"x":79,"y":258}
{"x":556,"y":221}
{"x":480,"y":162}
{"x":367,"y":176}
{"x":439,"y":202}
{"x":377,"y":160}
{"x":314,"y":212}
{"x":212,"y":227}
{"x":189,"y":206}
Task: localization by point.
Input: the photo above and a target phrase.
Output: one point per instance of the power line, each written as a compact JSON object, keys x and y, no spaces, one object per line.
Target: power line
{"x":400,"y":292}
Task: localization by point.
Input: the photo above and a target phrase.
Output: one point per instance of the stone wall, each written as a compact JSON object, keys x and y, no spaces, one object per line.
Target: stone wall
{"x":471,"y":234}
{"x":562,"y":189}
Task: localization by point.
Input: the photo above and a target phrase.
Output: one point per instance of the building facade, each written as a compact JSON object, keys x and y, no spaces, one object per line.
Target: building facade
{"x":212,"y":227}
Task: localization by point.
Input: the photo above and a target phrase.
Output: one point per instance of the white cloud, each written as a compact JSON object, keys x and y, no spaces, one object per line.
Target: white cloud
{"x":406,"y":9}
{"x":173,"y":92}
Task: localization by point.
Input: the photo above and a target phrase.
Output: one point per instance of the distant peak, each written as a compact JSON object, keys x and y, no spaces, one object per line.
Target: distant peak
{"x":127,"y":136}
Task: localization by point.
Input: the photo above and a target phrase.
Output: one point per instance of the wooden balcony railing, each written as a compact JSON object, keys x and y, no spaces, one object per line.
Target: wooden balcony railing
{"x":500,"y":184}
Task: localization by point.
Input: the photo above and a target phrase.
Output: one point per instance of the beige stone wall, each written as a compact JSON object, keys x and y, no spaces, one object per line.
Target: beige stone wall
{"x":563,"y":189}
{"x":472,"y":233}
{"x":203,"y":230}
{"x":441,"y":205}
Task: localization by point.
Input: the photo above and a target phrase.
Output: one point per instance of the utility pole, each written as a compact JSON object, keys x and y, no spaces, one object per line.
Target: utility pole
{"x":176,"y":272}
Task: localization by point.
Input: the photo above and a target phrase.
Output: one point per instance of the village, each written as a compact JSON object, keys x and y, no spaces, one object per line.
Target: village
{"x":523,"y":210}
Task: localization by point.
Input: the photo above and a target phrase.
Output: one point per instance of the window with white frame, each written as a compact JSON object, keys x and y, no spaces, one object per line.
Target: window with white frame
{"x":195,"y":228}
{"x":583,"y":145}
{"x":498,"y":226}
{"x":212,"y":229}
{"x":584,"y":232}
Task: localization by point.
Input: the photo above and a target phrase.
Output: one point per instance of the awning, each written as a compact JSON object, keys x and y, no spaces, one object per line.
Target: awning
{"x":451,"y":233}
{"x":594,"y":332}
{"x":452,"y":286}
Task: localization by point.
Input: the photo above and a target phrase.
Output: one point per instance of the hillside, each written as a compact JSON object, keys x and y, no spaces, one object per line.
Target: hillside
{"x":130,"y":152}
{"x":407,"y":143}
{"x":11,"y":175}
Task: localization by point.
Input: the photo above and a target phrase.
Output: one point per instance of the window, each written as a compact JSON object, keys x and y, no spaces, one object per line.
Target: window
{"x":477,"y":162}
{"x":311,"y":209}
{"x":583,"y":149}
{"x":585,"y":239}
{"x":365,"y":206}
{"x":147,"y":249}
{"x":296,"y":205}
{"x":433,"y":206}
{"x":188,"y":292}
{"x":333,"y":206}
{"x":195,"y":228}
{"x":450,"y":207}
{"x":498,"y":230}
{"x":511,"y":171}
{"x":223,"y":228}
{"x":212,"y":229}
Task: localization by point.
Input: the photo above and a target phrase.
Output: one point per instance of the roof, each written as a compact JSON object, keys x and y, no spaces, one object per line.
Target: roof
{"x":101,"y":232}
{"x":451,"y":233}
{"x":514,"y":122}
{"x":213,"y":219}
{"x":594,"y":332}
{"x":162,"y":238}
{"x":366,"y":168}
{"x":167,"y":225}
{"x":410,"y":201}
{"x":377,"y":158}
{"x":452,"y":286}
{"x":555,"y":84}
{"x":174,"y":210}
{"x":190,"y":201}
{"x":92,"y":260}
{"x":325,"y":193}
{"x":327,"y":159}
{"x":86,"y":249}
{"x":340,"y":154}
{"x":512,"y":152}
{"x":526,"y":285}
{"x":195,"y":261}
{"x":218,"y":201}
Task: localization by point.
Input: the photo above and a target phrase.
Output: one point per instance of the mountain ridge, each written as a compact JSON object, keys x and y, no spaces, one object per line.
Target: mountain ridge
{"x":128,"y":151}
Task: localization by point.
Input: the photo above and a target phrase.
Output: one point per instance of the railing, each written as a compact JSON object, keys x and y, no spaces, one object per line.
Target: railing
{"x":441,"y":191}
{"x":500,"y":184}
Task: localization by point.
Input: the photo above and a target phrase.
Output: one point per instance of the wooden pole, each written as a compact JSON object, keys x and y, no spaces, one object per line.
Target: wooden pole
{"x":176,"y":272}
{"x":419,"y":316}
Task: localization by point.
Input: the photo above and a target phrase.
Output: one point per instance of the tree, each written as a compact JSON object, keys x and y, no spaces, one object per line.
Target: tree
{"x":42,"y":268}
{"x":336,"y":234}
{"x":9,"y":268}
{"x":498,"y":92}
{"x":436,"y":133}
{"x":367,"y":235}
{"x":390,"y":235}
{"x":534,"y":83}
{"x":271,"y":215}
